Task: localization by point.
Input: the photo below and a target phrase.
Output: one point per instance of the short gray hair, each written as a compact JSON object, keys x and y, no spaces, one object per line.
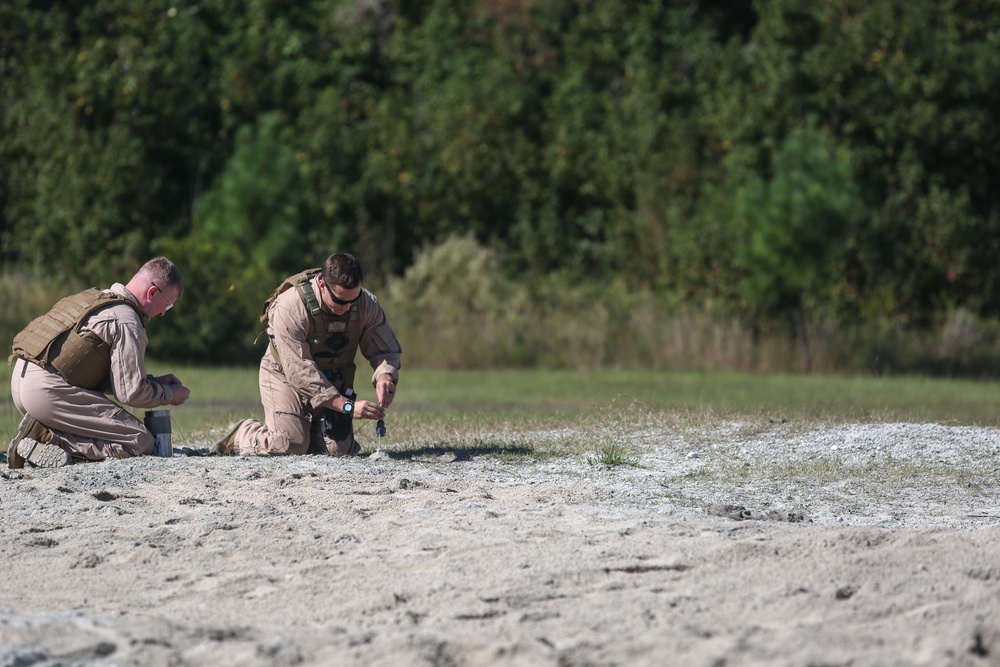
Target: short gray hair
{"x":163,"y":272}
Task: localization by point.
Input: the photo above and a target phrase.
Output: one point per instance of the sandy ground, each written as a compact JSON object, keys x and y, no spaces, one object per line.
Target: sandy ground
{"x":448,"y":560}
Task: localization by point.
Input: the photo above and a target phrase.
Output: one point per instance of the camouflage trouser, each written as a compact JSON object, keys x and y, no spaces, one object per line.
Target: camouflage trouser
{"x":84,"y":422}
{"x":291,"y":425}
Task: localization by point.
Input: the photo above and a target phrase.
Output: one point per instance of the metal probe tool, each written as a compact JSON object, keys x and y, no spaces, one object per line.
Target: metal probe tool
{"x":379,"y":430}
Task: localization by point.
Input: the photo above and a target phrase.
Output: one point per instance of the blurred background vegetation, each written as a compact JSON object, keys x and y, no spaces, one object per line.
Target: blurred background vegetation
{"x":767,"y":186}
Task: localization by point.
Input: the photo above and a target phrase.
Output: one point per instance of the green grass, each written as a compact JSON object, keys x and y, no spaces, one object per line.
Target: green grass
{"x":513,"y":413}
{"x":793,"y":397}
{"x":613,"y":454}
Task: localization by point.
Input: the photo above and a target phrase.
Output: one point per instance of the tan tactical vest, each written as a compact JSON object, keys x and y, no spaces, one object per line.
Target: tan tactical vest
{"x":333,"y":340}
{"x":54,"y":339}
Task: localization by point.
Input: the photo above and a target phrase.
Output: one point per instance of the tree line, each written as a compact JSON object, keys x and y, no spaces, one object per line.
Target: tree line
{"x":775,"y":160}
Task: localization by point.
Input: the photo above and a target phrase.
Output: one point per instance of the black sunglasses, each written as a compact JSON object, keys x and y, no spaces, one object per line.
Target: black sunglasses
{"x":341,"y":302}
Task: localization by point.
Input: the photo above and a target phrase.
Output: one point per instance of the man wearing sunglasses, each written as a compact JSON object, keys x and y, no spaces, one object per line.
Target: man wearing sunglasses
{"x":317,"y":321}
{"x":75,"y":367}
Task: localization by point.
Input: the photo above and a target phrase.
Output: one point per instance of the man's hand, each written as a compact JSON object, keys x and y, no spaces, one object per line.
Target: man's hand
{"x":180,"y":393}
{"x":169,"y":379}
{"x":368,"y":410}
{"x":385,"y":389}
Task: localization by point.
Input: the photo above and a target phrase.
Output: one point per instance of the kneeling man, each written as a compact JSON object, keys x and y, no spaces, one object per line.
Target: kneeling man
{"x":88,"y":345}
{"x":317,"y":321}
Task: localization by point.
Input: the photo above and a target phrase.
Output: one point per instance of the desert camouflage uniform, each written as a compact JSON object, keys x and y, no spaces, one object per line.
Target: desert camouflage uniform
{"x":292,"y":391}
{"x":85,"y":422}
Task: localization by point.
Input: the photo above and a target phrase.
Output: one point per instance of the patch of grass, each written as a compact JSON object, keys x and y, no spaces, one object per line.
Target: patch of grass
{"x":613,"y":454}
{"x":795,"y":398}
{"x":536,"y":413}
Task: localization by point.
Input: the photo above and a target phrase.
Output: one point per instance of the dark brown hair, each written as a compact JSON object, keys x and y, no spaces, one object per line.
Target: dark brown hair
{"x":343,"y":269}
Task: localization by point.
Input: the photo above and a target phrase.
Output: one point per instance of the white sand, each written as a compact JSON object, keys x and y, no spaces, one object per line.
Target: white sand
{"x":435,"y":561}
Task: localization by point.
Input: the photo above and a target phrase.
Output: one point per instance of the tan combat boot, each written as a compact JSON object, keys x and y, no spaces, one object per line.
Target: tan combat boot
{"x":227,"y":445}
{"x":41,"y":454}
{"x":29,"y":428}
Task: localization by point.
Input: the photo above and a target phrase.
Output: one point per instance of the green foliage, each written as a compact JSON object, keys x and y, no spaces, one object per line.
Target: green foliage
{"x":251,"y":231}
{"x":217,"y":319}
{"x":257,"y":206}
{"x":451,"y":304}
{"x":796,"y":222}
{"x":905,"y":86}
{"x":104,"y":134}
{"x":456,"y":308}
{"x":687,"y":154}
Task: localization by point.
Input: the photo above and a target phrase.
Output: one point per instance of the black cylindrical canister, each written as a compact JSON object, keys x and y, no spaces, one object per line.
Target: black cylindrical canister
{"x":158,"y":423}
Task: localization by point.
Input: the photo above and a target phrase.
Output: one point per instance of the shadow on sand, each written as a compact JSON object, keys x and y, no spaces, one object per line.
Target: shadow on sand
{"x":439,"y":453}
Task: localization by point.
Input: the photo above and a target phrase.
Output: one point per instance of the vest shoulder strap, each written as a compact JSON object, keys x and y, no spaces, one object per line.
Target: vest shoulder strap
{"x":301,"y":282}
{"x":309,"y":296}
